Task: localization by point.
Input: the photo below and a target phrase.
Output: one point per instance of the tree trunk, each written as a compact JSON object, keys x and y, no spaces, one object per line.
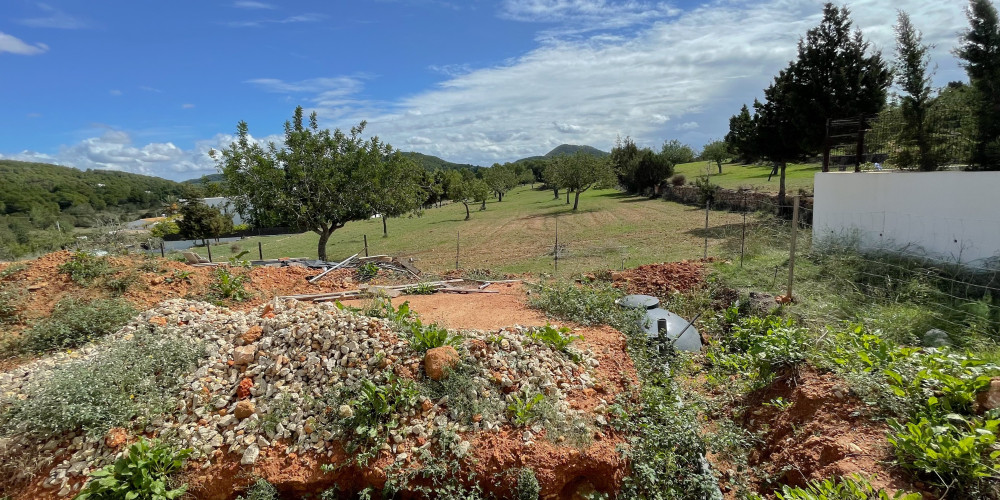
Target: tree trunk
{"x":385,"y":231}
{"x":720,"y":165}
{"x":324,"y":237}
{"x":567,"y":196}
{"x":499,"y":197}
{"x":576,"y":201}
{"x":467,"y":215}
{"x":483,"y":207}
{"x":781,"y":185}
{"x":555,"y":191}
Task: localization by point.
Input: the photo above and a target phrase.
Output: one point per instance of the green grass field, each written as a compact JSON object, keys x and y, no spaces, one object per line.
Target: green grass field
{"x":734,"y":175}
{"x":518,"y":234}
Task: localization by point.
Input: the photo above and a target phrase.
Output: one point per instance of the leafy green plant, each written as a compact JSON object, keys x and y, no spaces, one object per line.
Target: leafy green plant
{"x":238,"y":260}
{"x":420,"y":289}
{"x":780,"y":403}
{"x":376,"y":408}
{"x":366,"y":271}
{"x":123,"y":384}
{"x":949,"y":380}
{"x":118,"y":285}
{"x":229,"y":285}
{"x":84,"y":268}
{"x":760,"y":346}
{"x":845,"y":488}
{"x":74,"y":323}
{"x":524,"y":411}
{"x":142,"y":475}
{"x":557,"y":338}
{"x":527,"y":485}
{"x":11,"y":270}
{"x":430,"y":336}
{"x":955,"y":453}
{"x":179,"y":276}
{"x":150,"y":264}
{"x":11,"y":299}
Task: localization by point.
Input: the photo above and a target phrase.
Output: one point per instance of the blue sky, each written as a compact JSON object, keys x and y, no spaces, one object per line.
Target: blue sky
{"x":151,"y":87}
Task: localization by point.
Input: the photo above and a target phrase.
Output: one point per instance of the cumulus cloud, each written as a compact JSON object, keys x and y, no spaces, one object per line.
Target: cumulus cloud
{"x":578,"y":16}
{"x":14,"y":45}
{"x":688,"y":126}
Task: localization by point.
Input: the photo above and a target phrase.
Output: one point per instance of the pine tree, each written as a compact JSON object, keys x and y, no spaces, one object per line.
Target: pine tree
{"x":740,"y":138}
{"x":980,"y":49}
{"x":912,"y":76}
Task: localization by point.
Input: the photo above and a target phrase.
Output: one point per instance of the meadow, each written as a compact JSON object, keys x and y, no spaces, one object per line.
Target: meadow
{"x":734,"y":175}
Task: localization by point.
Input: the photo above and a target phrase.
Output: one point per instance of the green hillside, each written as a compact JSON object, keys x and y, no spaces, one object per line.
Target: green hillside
{"x":205,"y":179}
{"x":53,"y":188}
{"x":434,"y":163}
{"x":569,"y":149}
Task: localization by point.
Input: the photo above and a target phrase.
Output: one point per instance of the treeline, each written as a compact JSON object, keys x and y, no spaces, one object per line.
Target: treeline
{"x":838,"y":75}
{"x":40,"y":190}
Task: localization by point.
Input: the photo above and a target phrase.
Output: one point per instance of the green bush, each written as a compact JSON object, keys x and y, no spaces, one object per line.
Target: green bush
{"x":527,"y":485}
{"x":142,"y":475}
{"x":74,"y":323}
{"x":261,"y":490}
{"x":589,"y":305}
{"x":229,"y":285}
{"x":420,"y":289}
{"x":761,"y":346}
{"x":124,"y":381}
{"x":423,"y":338}
{"x":957,"y":452}
{"x":845,"y":488}
{"x":84,"y":268}
{"x":375,"y":409}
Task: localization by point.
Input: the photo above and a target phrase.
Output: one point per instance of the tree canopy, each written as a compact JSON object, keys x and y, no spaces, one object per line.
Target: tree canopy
{"x":980,"y":51}
{"x":716,"y":151}
{"x":638,"y":170}
{"x":200,"y":221}
{"x":317,"y":180}
{"x":581,"y":171}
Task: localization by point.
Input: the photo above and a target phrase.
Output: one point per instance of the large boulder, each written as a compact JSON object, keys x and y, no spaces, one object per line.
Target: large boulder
{"x":439,"y":360}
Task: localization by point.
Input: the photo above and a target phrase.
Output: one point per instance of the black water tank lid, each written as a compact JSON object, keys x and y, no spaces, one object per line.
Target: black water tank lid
{"x":639,"y":302}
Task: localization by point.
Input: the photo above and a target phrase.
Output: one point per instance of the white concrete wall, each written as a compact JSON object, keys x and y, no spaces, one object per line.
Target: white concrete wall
{"x":950,"y":216}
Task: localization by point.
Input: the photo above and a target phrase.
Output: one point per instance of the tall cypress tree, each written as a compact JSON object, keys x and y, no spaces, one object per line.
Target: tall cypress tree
{"x":980,"y":49}
{"x":740,"y":138}
{"x":912,"y":76}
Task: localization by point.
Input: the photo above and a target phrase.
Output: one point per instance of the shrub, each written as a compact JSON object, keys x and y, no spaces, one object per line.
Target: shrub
{"x":118,"y":285}
{"x":10,"y":304}
{"x":524,"y":411}
{"x":427,"y":337}
{"x":84,"y":268}
{"x":707,"y":191}
{"x":261,"y":490}
{"x":845,"y":488}
{"x":375,"y":409}
{"x":75,"y":323}
{"x":958,"y":453}
{"x":420,"y":289}
{"x":142,"y":474}
{"x":761,"y":346}
{"x":678,"y":180}
{"x":229,"y":285}
{"x":527,"y":485}
{"x":124,"y":380}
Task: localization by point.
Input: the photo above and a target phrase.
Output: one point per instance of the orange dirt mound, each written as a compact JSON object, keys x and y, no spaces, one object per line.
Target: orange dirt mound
{"x":824,"y":432}
{"x":661,"y":280}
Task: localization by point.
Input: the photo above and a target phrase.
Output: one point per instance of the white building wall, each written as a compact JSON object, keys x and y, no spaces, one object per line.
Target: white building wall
{"x":951,"y":216}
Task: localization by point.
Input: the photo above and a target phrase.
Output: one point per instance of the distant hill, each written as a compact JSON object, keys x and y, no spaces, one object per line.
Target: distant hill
{"x":566,"y":149}
{"x":54,"y":187}
{"x":433,"y":162}
{"x":211,"y":178}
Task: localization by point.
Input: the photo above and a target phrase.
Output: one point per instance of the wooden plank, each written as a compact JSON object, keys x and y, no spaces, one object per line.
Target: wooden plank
{"x":465,"y":290}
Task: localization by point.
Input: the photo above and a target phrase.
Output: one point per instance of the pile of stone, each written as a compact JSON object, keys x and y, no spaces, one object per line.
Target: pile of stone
{"x":268,"y":376}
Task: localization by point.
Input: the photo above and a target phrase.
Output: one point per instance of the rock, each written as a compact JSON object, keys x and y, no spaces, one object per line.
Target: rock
{"x":345,"y":411}
{"x":252,"y":335}
{"x":990,"y":398}
{"x":250,"y":455}
{"x":936,"y":338}
{"x":438,"y":360}
{"x":243,"y":391}
{"x":244,"y":409}
{"x":244,"y":355}
{"x":116,"y":438}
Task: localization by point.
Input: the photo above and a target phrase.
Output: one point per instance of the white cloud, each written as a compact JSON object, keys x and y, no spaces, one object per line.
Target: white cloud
{"x":300,"y":18}
{"x":187,"y":106}
{"x":568,"y":128}
{"x":581,"y":16}
{"x":54,"y":18}
{"x":688,"y":126}
{"x":249,"y":4}
{"x":14,"y":45}
{"x":115,"y":92}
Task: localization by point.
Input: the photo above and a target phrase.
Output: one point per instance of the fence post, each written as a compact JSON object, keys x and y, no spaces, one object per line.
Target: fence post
{"x":162,"y":253}
{"x":260,"y":251}
{"x":860,"y":153}
{"x":208,"y":246}
{"x":366,"y":244}
{"x":458,"y":247}
{"x":826,"y":148}
{"x":708,"y":203}
{"x":791,"y":252}
{"x":555,"y":249}
{"x":743,"y":236}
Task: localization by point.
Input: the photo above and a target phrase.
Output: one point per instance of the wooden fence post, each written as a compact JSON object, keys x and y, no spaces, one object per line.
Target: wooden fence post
{"x":791,"y":252}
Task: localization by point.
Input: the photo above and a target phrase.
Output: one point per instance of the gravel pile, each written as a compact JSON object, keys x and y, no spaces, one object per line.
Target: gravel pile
{"x":268,"y":376}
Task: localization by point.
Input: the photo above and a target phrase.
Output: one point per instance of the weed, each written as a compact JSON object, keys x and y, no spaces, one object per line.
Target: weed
{"x":584,"y":305}
{"x":84,"y":268}
{"x":779,"y":403}
{"x":11,"y":299}
{"x":380,"y":306}
{"x":142,"y":474}
{"x":420,"y":289}
{"x":366,"y":271}
{"x":956,"y":453}
{"x":527,"y":485}
{"x":74,"y":323}
{"x":179,"y":276}
{"x":261,"y":490}
{"x":467,"y":394}
{"x":278,"y":412}
{"x":124,"y":383}
{"x":238,"y":260}
{"x":423,"y":338}
{"x":845,"y":488}
{"x":524,"y":411}
{"x":760,"y":347}
{"x":11,"y":270}
{"x":120,"y":284}
{"x":150,"y":264}
{"x":229,"y":286}
{"x":557,"y":338}
{"x":375,"y":409}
